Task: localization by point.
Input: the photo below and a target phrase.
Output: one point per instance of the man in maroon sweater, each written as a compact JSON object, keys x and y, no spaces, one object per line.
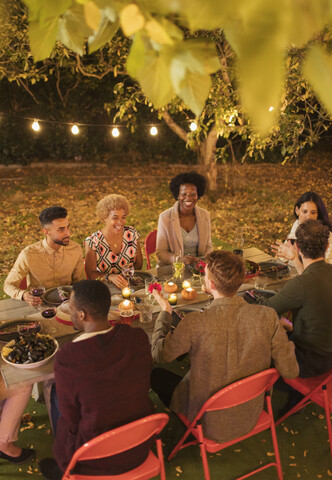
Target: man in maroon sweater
{"x":102,"y":381}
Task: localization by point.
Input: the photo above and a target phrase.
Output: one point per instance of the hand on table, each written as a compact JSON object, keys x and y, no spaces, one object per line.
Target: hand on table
{"x":118,"y":280}
{"x":187,"y":259}
{"x":286,"y":324}
{"x":163,"y":302}
{"x":31,"y":299}
{"x":285,"y":250}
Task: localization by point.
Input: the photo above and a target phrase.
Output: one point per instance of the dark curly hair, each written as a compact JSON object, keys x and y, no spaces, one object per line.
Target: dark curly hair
{"x":322,"y":214}
{"x":52,"y":213}
{"x":312,"y":238}
{"x":192,"y":178}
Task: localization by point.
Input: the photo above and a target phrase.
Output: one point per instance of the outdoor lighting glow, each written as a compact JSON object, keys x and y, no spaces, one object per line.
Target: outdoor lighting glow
{"x":35,"y":126}
{"x":153,"y":131}
{"x":271,"y":109}
{"x":74,"y":130}
{"x":115,"y":132}
{"x":231,"y":118}
{"x":193,"y":126}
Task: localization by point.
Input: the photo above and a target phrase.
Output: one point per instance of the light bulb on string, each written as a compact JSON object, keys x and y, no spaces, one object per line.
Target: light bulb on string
{"x":193,"y":126}
{"x":115,"y":132}
{"x":35,"y":126}
{"x":74,"y":130}
{"x":153,"y":131}
{"x":271,"y":109}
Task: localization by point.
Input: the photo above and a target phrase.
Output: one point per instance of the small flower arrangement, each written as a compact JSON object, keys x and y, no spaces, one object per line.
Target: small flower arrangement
{"x":199,"y":268}
{"x":154,"y":286}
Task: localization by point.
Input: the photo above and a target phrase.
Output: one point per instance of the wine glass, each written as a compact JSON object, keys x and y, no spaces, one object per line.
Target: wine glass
{"x":178,"y":266}
{"x":128,"y":272}
{"x":238,"y":241}
{"x":37,"y":291}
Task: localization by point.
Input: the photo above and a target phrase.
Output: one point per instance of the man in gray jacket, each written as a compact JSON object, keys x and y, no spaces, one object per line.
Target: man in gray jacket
{"x":230,"y":340}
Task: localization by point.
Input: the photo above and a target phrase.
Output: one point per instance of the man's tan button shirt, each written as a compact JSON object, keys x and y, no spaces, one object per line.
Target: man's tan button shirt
{"x":42,"y":265}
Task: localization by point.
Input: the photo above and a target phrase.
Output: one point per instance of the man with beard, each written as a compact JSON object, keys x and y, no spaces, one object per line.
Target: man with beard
{"x":55,"y":260}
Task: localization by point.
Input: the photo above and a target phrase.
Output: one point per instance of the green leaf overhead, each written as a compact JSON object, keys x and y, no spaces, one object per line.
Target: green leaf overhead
{"x":154,"y":78}
{"x":45,"y":11}
{"x":42,"y":38}
{"x":73,"y":30}
{"x":260,"y":41}
{"x":132,"y":19}
{"x":92,"y":15}
{"x":318,"y":70}
{"x":103,"y":35}
{"x":194,"y":91}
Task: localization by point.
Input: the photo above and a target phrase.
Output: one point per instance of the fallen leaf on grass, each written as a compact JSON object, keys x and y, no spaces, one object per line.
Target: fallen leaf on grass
{"x":270,"y":454}
{"x":41,"y":426}
{"x":329,"y":473}
{"x":305,"y":453}
{"x":178,"y":469}
{"x":26,"y":418}
{"x":29,"y":426}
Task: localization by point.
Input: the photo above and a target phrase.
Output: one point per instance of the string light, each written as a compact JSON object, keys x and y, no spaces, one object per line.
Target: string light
{"x":153,"y":131}
{"x":74,"y":130}
{"x":35,"y":126}
{"x":115,"y":132}
{"x":193,"y":126}
{"x":271,"y":109}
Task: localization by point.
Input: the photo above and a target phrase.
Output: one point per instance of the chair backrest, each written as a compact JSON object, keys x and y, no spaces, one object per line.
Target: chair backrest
{"x":23,"y":284}
{"x":120,"y":439}
{"x":241,"y":391}
{"x":312,"y":386}
{"x":150,"y":246}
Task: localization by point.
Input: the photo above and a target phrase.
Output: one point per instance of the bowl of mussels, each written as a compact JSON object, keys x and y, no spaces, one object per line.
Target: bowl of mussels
{"x":29,"y":351}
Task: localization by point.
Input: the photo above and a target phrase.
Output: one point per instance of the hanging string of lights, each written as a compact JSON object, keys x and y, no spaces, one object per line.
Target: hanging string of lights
{"x":74,"y":127}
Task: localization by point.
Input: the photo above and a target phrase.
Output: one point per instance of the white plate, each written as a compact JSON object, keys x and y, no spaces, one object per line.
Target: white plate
{"x":34,"y":364}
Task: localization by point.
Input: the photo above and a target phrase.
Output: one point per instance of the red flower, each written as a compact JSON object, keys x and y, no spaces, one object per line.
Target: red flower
{"x":155,"y":286}
{"x":200,"y":266}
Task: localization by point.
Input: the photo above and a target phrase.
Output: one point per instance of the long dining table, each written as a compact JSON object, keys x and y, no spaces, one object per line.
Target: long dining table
{"x":11,"y":310}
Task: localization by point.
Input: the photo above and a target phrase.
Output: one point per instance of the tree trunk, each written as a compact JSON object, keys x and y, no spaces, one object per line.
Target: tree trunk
{"x":206,"y":151}
{"x":208,"y":160}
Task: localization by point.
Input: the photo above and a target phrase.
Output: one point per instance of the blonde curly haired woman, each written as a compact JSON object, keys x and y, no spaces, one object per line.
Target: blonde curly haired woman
{"x":115,"y":246}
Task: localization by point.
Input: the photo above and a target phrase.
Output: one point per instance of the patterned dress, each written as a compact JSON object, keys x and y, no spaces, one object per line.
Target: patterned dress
{"x":108,"y":261}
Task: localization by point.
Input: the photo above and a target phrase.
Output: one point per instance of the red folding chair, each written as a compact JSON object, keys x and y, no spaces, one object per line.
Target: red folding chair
{"x":235,"y":394}
{"x":317,"y":390}
{"x":150,"y":246}
{"x":119,"y":440}
{"x":23,"y":284}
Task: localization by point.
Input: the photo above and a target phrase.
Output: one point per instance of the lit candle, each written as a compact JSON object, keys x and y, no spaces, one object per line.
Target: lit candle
{"x":186,"y":284}
{"x":126,"y":292}
{"x":173,"y":299}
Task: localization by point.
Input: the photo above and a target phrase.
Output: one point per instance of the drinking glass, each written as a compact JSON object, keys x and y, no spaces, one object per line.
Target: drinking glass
{"x":178,"y":267}
{"x":128,"y":272}
{"x":261,"y":282}
{"x":145,"y":312}
{"x":37,"y":291}
{"x":238,"y":241}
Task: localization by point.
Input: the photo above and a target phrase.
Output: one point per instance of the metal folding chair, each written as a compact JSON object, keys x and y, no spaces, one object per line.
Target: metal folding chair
{"x":235,"y":394}
{"x":150,"y":246}
{"x":317,"y":390}
{"x":119,"y":440}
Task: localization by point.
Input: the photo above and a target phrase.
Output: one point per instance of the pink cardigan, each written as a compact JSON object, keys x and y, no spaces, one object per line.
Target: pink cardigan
{"x":169,"y":238}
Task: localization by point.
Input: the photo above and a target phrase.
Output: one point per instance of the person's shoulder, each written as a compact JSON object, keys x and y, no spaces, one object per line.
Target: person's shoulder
{"x":166,"y":213}
{"x":73,"y":246}
{"x":34,"y":248}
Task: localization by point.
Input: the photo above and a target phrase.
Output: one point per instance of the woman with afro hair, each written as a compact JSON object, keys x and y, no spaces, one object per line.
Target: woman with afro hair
{"x":184,"y":228}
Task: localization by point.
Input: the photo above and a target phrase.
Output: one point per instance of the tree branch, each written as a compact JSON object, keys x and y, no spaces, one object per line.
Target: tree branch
{"x":81,"y":69}
{"x":174,"y":126}
{"x":28,"y":90}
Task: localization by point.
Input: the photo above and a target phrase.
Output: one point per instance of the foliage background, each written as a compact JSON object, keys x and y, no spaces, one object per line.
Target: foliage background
{"x":262,"y":203}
